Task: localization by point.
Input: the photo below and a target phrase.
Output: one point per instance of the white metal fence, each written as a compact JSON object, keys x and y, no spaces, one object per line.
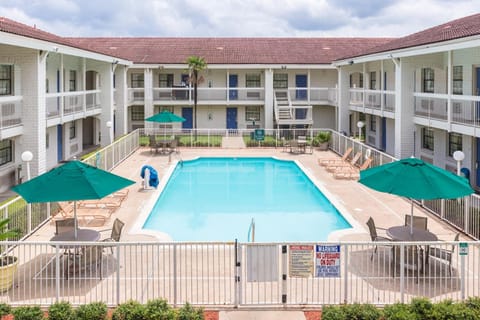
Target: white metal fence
{"x":230,"y":274}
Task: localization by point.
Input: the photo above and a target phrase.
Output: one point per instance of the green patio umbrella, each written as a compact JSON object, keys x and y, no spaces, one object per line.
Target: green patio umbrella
{"x":415,"y":179}
{"x":71,"y":181}
{"x":165,"y":117}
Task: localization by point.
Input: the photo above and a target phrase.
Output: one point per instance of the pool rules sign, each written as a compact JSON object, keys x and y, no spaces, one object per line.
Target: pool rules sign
{"x":327,"y":261}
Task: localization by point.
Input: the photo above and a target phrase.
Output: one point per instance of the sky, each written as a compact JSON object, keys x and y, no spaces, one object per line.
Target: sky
{"x":235,"y":18}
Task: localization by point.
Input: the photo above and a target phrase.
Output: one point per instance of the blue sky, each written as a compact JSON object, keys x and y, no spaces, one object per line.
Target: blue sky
{"x":236,"y":18}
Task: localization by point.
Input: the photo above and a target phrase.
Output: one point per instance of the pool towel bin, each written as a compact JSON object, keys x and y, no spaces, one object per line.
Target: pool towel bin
{"x":150,"y":175}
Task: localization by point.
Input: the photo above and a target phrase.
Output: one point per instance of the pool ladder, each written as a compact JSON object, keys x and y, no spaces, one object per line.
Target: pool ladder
{"x":251,"y":231}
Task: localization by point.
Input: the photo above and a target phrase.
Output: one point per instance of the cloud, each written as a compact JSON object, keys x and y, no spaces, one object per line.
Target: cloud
{"x":247,"y":18}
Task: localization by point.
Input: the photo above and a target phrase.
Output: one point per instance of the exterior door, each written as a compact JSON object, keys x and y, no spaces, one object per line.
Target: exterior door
{"x":59,"y":142}
{"x":187,"y":113}
{"x":233,"y":83}
{"x":383,"y":145}
{"x":231,"y":118}
{"x":301,"y":82}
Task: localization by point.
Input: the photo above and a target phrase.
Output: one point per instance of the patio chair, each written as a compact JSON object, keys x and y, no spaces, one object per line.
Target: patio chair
{"x":373,"y":234}
{"x":89,"y":259}
{"x":444,"y":255}
{"x":64,"y":225}
{"x":326,"y":162}
{"x":343,"y":165}
{"x":418,"y":222}
{"x":116,"y":232}
{"x":153,"y":143}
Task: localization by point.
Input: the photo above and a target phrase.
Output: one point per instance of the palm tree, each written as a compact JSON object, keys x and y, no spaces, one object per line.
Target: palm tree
{"x":195,"y":65}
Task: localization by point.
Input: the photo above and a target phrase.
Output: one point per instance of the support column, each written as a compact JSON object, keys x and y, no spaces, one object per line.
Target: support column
{"x":268,"y":109}
{"x":404,"y":109}
{"x":343,"y":100}
{"x":106,"y":96}
{"x":121,"y":108}
{"x":148,"y":96}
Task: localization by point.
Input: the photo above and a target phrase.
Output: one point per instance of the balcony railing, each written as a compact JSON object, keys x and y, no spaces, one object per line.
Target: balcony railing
{"x":373,"y":99}
{"x":11,"y":111}
{"x":67,"y":103}
{"x":136,"y":95}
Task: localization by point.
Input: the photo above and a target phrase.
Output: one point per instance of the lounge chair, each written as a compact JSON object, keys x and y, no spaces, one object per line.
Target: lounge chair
{"x":444,"y":255}
{"x":85,"y":216}
{"x":350,"y":164}
{"x":109,"y":202}
{"x":326,"y":162}
{"x":352,"y":173}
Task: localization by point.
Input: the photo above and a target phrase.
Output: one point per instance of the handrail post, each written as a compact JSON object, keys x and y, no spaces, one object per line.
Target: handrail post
{"x":118,"y":275}
{"x":402,"y":273}
{"x":57,"y":273}
{"x":345,"y":275}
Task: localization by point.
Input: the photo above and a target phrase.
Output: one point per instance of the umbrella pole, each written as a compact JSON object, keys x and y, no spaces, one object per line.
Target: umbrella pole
{"x":411,"y":217}
{"x":75,"y":223}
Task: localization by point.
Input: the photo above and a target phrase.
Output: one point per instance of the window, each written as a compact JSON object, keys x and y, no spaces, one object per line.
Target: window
{"x":356,"y":80}
{"x":373,"y":80}
{"x":454,"y":143}
{"x":280,"y":81}
{"x":373,"y":123}
{"x":165,"y":80}
{"x":138,"y":113}
{"x":252,"y":81}
{"x":73,"y":80}
{"x":6,"y":80}
{"x":137,"y":80}
{"x":428,"y":77}
{"x":5,"y":151}
{"x":252,"y":113}
{"x":427,"y":139}
{"x":73,"y":130}
{"x":457,"y":80}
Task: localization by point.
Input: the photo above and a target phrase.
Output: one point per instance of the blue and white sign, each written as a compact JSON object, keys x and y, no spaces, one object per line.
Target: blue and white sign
{"x":327,"y":261}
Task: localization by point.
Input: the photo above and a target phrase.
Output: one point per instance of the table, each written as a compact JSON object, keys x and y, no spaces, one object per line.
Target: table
{"x":402,"y":233}
{"x":165,"y":144}
{"x":82,"y":235}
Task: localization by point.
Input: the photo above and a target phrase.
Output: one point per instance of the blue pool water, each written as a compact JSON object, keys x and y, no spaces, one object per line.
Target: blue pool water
{"x":215,"y":199}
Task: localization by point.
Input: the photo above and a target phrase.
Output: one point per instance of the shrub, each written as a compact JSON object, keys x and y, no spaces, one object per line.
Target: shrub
{"x":187,"y":312}
{"x":61,"y":311}
{"x":447,"y":310}
{"x":158,"y":309}
{"x":362,"y":311}
{"x":92,"y":311}
{"x":398,"y":311}
{"x":333,"y":313}
{"x":5,"y":309}
{"x":473,"y":303}
{"x":423,"y":308}
{"x":28,"y":313}
{"x":130,"y":310}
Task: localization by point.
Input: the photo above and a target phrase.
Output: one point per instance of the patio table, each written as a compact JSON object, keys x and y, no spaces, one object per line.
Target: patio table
{"x":82,"y":235}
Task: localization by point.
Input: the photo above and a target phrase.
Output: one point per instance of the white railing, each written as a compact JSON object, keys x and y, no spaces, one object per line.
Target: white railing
{"x":136,"y":95}
{"x":92,"y":99}
{"x":373,"y":99}
{"x":68,"y":103}
{"x":10,"y":111}
{"x":231,"y":274}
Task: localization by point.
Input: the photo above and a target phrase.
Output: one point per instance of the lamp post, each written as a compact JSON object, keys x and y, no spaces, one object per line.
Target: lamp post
{"x":27,"y":156}
{"x":458,"y":156}
{"x":360,"y":125}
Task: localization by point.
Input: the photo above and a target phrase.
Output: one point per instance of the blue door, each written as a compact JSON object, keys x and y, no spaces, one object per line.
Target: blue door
{"x":233,"y":83}
{"x":301,"y":82}
{"x":59,"y":143}
{"x":187,"y":113}
{"x":231,"y":118}
{"x":383,"y":145}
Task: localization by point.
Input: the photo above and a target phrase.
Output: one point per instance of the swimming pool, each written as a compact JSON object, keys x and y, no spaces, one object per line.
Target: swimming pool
{"x":215,"y":199}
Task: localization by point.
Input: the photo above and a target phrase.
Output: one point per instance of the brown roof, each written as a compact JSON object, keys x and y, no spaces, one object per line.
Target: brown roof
{"x":455,"y":29}
{"x":10,"y":26}
{"x":232,"y":50}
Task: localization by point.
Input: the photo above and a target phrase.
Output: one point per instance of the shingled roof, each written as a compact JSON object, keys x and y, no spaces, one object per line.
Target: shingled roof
{"x":455,"y":29}
{"x":13,"y":27}
{"x":232,"y":50}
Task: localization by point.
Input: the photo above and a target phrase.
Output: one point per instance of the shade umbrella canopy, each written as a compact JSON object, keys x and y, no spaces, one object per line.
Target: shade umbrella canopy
{"x":415,"y":179}
{"x":71,"y":181}
{"x":165,"y":117}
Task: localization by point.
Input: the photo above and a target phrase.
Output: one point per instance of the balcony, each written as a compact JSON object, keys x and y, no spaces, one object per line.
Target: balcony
{"x":372,"y":101}
{"x":179,"y":94}
{"x":72,"y":105}
{"x":313,"y":95}
{"x":10,"y":116}
{"x":136,"y":96}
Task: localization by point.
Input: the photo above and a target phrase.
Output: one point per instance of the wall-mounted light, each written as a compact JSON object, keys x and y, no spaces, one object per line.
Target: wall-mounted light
{"x":210,"y":116}
{"x":55,"y":49}
{"x":284,"y":67}
{"x":350,"y":62}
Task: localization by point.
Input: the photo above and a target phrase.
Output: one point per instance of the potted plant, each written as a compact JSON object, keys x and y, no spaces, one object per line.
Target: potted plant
{"x":8,"y":264}
{"x":322,"y":139}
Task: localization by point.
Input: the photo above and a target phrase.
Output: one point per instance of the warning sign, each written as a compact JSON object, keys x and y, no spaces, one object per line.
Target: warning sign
{"x":327,"y":261}
{"x":301,"y":261}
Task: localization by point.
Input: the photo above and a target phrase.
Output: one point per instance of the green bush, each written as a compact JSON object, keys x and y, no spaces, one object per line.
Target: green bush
{"x":473,"y":303}
{"x":423,"y":308}
{"x":361,"y":311}
{"x":447,"y":310}
{"x":158,"y":309}
{"x":130,"y":310}
{"x":61,"y":311}
{"x":187,"y":312}
{"x":5,"y":309}
{"x":92,"y":311}
{"x":398,"y":311}
{"x":28,"y":313}
{"x":333,"y":313}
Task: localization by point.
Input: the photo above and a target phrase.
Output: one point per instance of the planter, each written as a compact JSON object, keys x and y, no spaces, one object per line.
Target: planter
{"x":323,"y":146}
{"x":8,"y":267}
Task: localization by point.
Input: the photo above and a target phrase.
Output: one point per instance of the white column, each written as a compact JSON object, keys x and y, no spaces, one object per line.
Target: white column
{"x":268,"y":111}
{"x":343,"y":101}
{"x":106,"y":96}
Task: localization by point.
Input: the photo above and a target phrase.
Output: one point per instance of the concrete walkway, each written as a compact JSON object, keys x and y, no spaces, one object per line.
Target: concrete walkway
{"x":261,"y":315}
{"x":233,"y":143}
